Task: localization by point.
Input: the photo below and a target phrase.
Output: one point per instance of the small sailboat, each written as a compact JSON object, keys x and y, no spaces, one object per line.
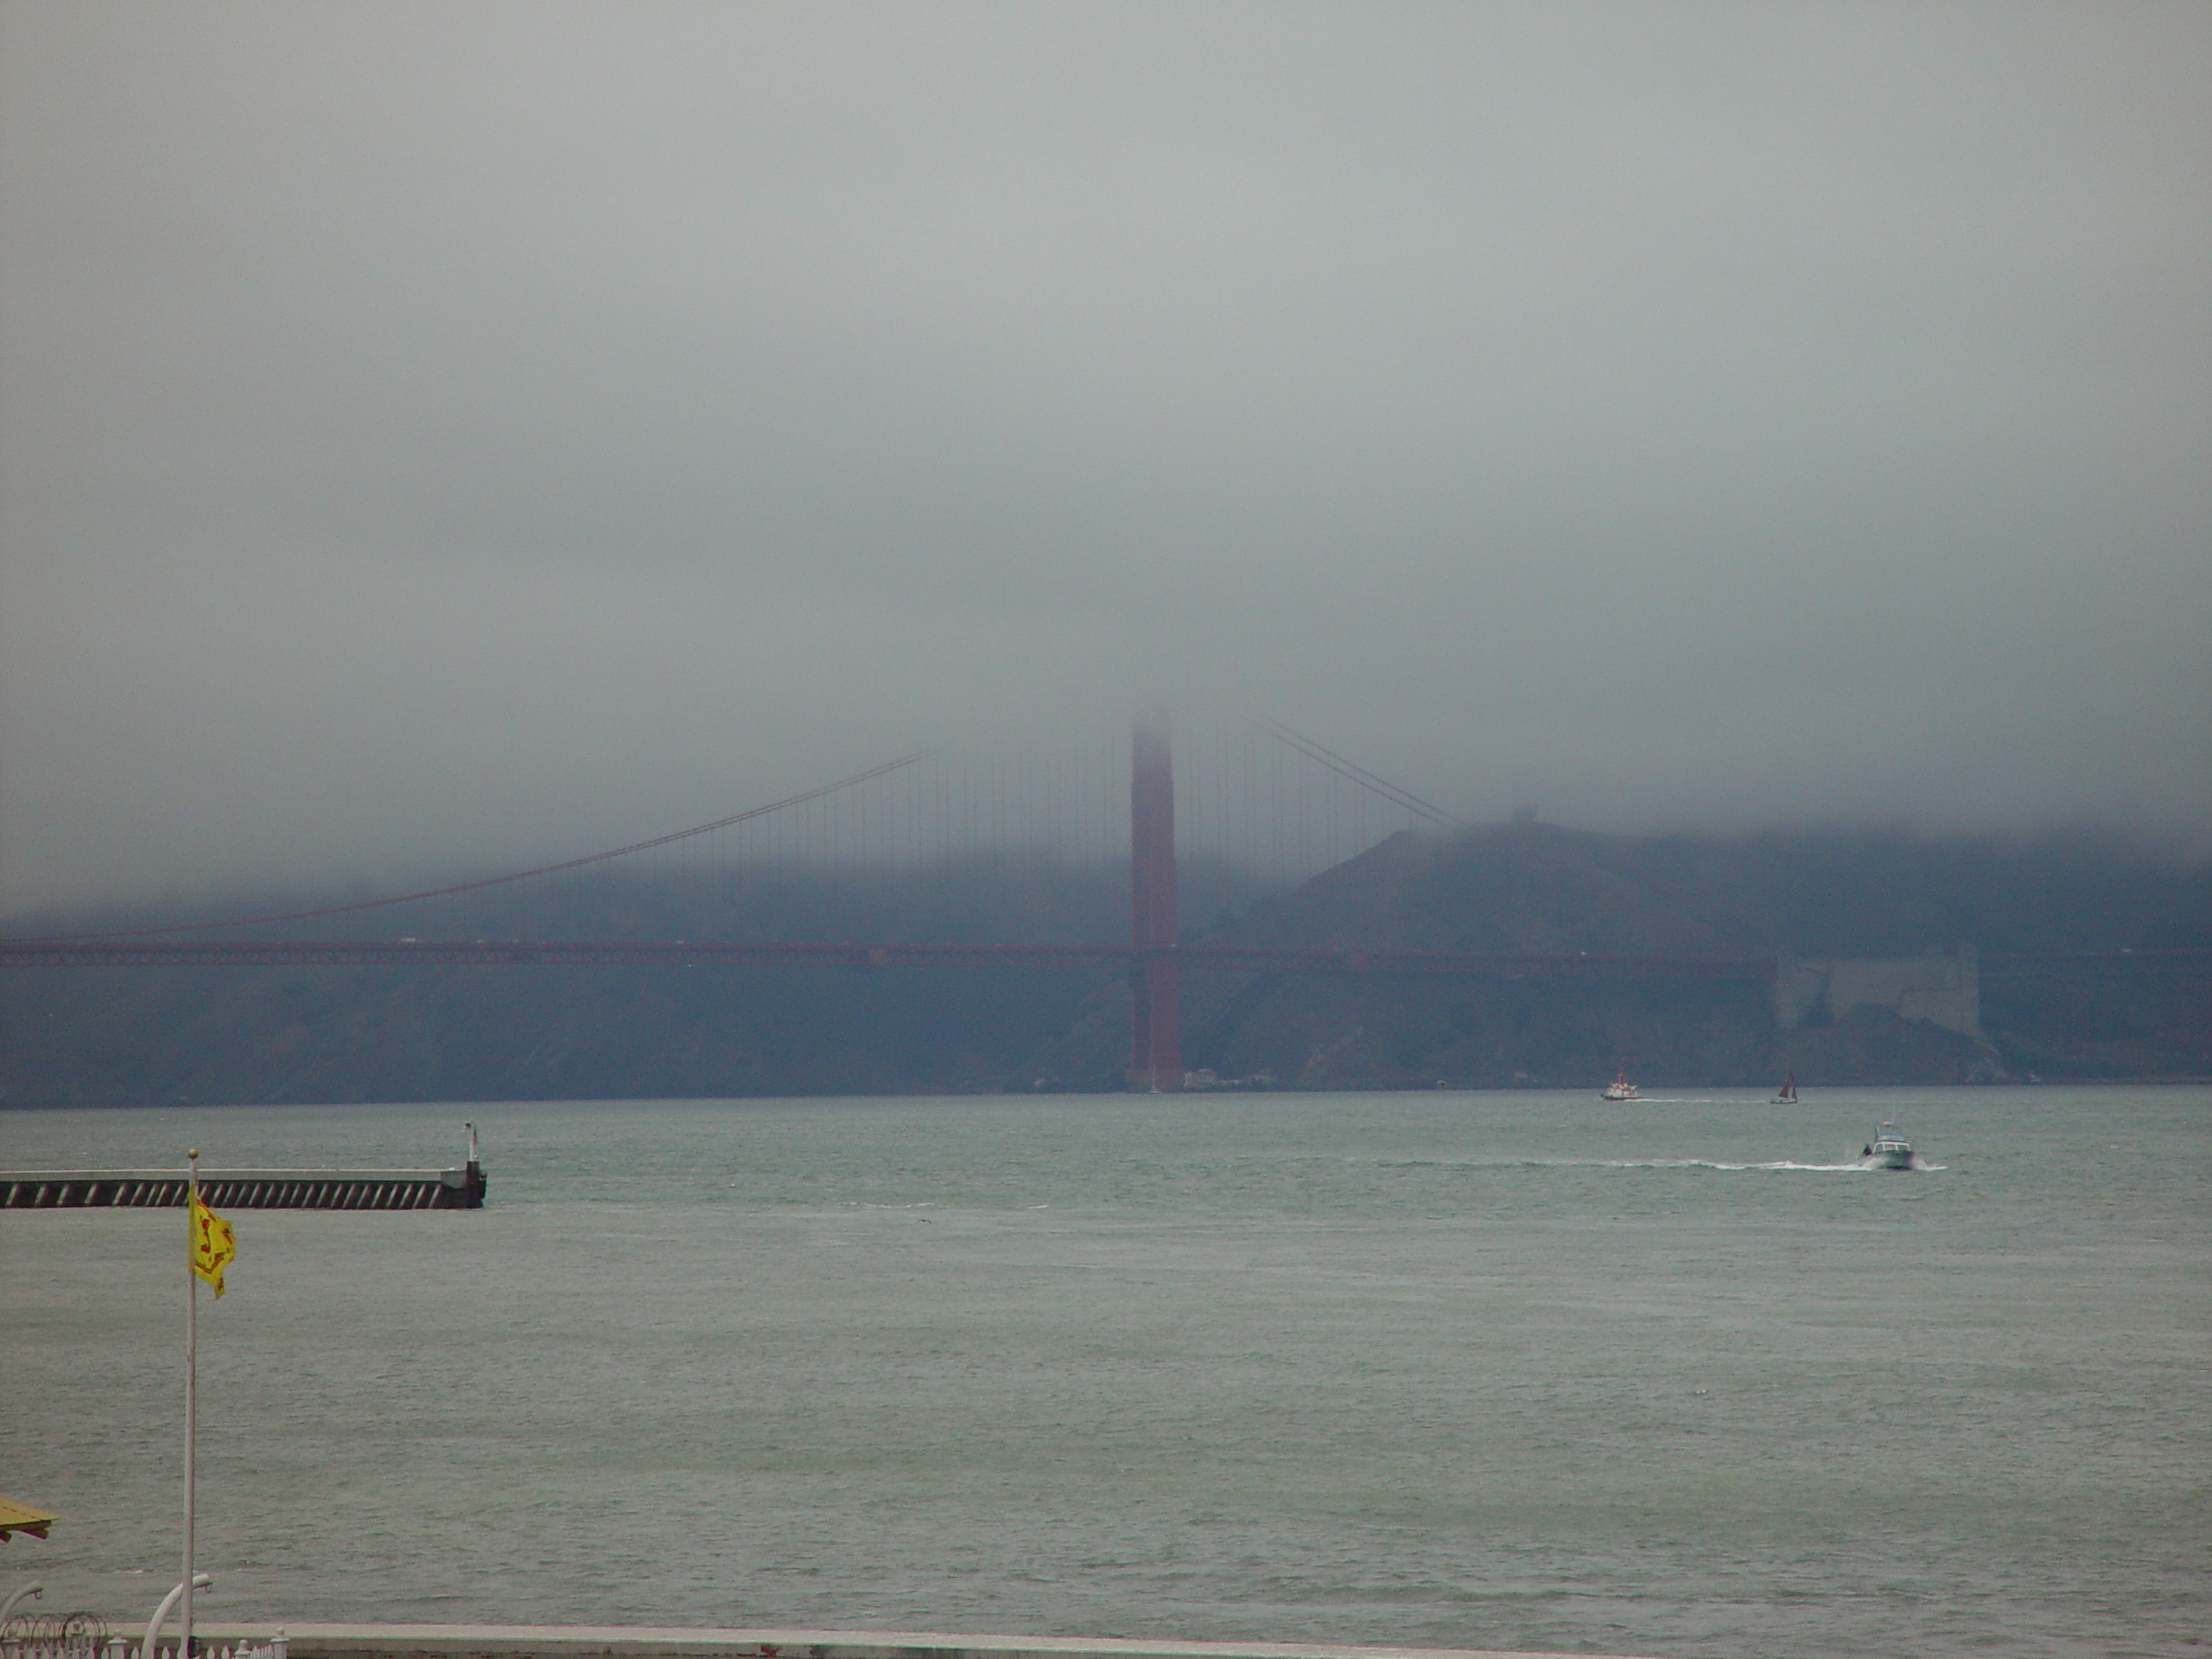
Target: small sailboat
{"x":1620,"y":1088}
{"x":1787,"y":1094}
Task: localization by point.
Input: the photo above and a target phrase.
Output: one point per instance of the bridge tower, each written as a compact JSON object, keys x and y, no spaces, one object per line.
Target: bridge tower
{"x":1156,"y":976}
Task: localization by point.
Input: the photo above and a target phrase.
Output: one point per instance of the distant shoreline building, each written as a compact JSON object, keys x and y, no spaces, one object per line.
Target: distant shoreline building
{"x":1943,"y":989}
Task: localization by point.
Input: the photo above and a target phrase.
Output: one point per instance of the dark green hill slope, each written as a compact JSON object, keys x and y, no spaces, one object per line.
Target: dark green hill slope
{"x":1539,"y":889}
{"x":116,"y":1036}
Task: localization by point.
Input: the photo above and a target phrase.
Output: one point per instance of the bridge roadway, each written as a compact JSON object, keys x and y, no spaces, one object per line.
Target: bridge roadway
{"x":809,"y":953}
{"x":788,"y":953}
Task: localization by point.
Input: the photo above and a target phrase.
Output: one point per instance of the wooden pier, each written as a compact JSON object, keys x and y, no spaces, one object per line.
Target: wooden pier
{"x":247,"y":1189}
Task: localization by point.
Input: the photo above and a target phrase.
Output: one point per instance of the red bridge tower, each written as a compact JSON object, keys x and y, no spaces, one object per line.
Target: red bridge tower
{"x":1156,"y":976}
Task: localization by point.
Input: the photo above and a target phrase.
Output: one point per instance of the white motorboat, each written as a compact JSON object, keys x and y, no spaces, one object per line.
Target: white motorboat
{"x":1888,"y":1150}
{"x":1620,"y":1088}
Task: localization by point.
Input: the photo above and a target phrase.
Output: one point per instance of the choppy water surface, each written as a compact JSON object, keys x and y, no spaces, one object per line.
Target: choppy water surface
{"x":1484,"y":1370}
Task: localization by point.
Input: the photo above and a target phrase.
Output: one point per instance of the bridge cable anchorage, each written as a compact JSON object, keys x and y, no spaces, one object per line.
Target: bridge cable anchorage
{"x":1321,"y":754}
{"x":801,"y":799}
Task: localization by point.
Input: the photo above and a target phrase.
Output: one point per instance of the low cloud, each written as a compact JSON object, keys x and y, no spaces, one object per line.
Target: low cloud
{"x":440,"y":438}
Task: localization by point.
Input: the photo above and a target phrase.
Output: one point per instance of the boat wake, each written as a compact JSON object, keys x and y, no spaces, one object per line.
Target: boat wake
{"x":1779,"y":1164}
{"x":1855,"y":1167}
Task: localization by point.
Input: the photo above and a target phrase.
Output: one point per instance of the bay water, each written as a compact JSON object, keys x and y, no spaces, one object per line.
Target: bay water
{"x":1507,"y":1370}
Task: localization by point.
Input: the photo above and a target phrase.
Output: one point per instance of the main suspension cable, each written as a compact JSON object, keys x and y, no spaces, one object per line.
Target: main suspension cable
{"x":1321,"y":754}
{"x":800,"y":799}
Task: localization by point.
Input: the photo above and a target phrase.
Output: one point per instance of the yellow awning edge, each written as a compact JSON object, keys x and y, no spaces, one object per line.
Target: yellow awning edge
{"x":21,"y":1517}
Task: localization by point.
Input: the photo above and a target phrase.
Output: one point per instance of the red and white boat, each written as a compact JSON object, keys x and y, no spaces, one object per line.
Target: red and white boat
{"x":1787,"y":1094}
{"x":1620,"y":1088}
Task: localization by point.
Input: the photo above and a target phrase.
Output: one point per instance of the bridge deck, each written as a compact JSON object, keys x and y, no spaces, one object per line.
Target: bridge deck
{"x":69,"y":953}
{"x":796,"y":953}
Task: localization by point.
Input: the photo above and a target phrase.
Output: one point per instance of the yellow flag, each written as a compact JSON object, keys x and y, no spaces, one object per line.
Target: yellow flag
{"x":213,"y":1247}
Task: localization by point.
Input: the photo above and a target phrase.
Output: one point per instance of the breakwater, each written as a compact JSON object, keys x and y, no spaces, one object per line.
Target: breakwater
{"x":247,"y":1189}
{"x":460,"y":1187}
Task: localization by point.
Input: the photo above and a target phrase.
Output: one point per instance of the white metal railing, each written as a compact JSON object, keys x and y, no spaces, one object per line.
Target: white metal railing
{"x":277,"y":1647}
{"x":53,"y":1636}
{"x":84,"y":1636}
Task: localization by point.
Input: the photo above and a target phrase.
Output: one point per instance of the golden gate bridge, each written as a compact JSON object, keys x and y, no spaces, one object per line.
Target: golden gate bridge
{"x":1261,"y":809}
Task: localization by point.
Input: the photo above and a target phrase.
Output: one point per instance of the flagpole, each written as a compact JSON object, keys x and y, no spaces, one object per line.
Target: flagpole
{"x":191,"y":1387}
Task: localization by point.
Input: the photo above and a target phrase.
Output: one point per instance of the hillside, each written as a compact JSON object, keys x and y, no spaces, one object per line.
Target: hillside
{"x":146,"y":1036}
{"x":94,"y":1037}
{"x":1541,"y":889}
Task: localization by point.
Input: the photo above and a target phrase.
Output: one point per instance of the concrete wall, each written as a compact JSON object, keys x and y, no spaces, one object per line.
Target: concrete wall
{"x":527,"y":1642}
{"x":1943,"y":990}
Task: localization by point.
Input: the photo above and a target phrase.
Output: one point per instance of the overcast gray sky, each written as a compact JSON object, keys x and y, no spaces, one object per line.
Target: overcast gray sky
{"x":446,"y":436}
